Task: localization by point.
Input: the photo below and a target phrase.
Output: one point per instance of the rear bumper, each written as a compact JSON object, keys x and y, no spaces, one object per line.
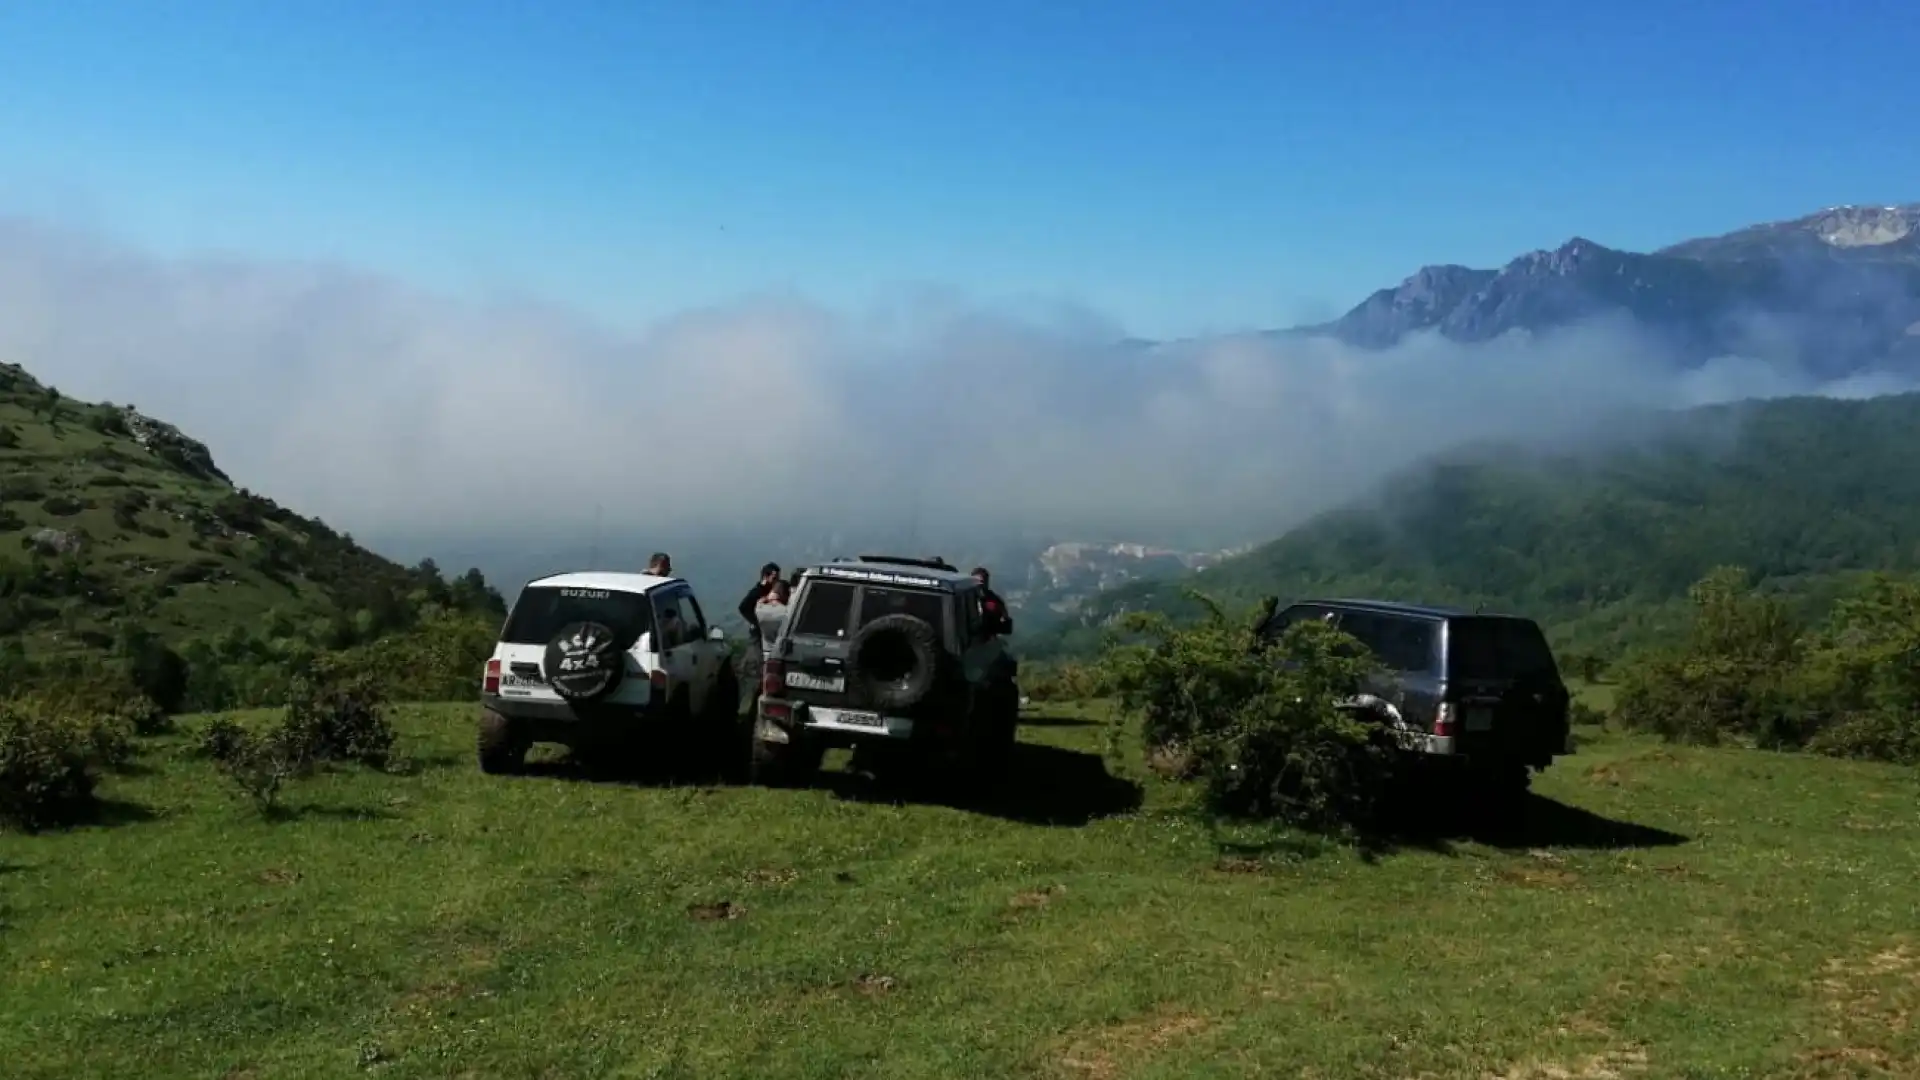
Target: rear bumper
{"x":784,"y":718}
{"x":558,"y":721}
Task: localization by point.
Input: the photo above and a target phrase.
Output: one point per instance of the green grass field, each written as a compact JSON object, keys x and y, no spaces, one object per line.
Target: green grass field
{"x":1663,"y":912}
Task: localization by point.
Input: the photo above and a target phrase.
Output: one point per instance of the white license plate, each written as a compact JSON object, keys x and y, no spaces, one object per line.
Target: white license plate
{"x":860,"y":719}
{"x":800,"y":680}
{"x":1479,"y":719}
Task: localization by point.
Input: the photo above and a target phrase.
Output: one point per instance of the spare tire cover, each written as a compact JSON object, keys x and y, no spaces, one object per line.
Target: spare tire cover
{"x":893,"y":662}
{"x":583,"y":662}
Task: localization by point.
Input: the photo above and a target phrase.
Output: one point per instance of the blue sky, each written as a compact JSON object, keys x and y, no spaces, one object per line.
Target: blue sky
{"x":1178,"y":167}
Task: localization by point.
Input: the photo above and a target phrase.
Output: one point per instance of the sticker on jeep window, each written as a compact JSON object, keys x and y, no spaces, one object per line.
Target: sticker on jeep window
{"x":586,"y":594}
{"x":882,"y":577}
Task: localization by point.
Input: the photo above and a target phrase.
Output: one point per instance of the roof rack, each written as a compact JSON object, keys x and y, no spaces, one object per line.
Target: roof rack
{"x":933,"y":563}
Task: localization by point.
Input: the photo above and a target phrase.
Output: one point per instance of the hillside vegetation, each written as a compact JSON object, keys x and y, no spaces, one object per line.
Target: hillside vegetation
{"x":1601,"y":546}
{"x":115,"y":527}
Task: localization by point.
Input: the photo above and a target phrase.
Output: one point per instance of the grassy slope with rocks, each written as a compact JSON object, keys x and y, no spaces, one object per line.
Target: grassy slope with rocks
{"x":108,"y":516}
{"x":1666,"y":912}
{"x":1602,"y":546}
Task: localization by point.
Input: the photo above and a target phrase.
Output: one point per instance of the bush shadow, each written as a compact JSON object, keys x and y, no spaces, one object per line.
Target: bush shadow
{"x":101,"y":813}
{"x":1050,"y":719}
{"x":283,"y":813}
{"x":1044,"y":785}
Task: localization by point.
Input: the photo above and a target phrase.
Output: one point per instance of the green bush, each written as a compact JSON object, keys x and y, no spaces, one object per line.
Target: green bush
{"x":1064,"y":682}
{"x":1858,"y":687}
{"x":259,"y":763}
{"x":340,"y":720}
{"x":9,"y":438}
{"x":1256,"y":719}
{"x":1731,"y":677}
{"x":326,"y":720}
{"x":47,"y":765}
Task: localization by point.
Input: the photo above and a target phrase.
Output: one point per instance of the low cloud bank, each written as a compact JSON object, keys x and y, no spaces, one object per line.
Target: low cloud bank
{"x":401,"y":414}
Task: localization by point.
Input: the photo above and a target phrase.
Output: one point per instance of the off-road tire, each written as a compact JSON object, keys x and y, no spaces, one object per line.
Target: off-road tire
{"x":502,"y":749}
{"x":794,"y":763}
{"x":897,"y":694}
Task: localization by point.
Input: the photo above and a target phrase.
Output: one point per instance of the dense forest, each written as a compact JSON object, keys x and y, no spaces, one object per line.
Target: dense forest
{"x":1601,"y":544}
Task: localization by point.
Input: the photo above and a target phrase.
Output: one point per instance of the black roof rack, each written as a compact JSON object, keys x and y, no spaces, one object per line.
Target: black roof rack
{"x":933,"y":563}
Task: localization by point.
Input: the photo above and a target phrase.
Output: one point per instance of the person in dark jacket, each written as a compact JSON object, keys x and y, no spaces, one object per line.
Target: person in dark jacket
{"x":754,"y":656}
{"x":999,"y":623}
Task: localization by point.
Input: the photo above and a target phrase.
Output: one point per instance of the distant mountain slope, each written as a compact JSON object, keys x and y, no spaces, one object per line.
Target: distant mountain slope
{"x":110,"y":516}
{"x":1838,"y":290}
{"x":1600,"y":547}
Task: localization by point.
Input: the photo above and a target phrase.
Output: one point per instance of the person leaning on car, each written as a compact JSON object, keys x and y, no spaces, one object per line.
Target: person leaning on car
{"x":755,"y":654}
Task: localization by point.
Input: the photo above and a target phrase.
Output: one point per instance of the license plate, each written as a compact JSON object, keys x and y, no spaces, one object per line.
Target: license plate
{"x":861,"y":719}
{"x":1479,"y":719}
{"x":800,"y":680}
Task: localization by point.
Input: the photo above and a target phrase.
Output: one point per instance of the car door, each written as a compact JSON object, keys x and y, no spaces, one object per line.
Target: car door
{"x":676,"y":658}
{"x":705,"y":655}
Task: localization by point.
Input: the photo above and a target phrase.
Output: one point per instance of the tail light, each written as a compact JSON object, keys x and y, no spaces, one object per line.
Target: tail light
{"x":1443,"y":720}
{"x":773,"y":676}
{"x":657,"y":678}
{"x":491,"y":683}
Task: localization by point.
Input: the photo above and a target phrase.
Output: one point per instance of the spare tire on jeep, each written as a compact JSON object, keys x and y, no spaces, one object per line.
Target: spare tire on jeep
{"x":893,"y":662}
{"x":583,"y":662}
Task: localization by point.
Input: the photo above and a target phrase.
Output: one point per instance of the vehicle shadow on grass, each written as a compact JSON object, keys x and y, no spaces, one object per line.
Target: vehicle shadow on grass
{"x":1044,"y":785}
{"x":1531,"y":822}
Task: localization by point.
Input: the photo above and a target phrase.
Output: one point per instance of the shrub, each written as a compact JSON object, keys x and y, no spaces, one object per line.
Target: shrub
{"x":46,"y":766}
{"x":1858,"y":688}
{"x":1581,"y":714}
{"x":326,"y":720}
{"x":1255,"y":718}
{"x":9,"y":438}
{"x":1066,"y":682}
{"x":1731,"y":675}
{"x":336,"y":719}
{"x":260,"y":763}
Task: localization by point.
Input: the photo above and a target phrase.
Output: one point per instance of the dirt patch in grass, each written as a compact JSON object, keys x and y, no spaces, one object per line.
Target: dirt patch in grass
{"x":770,"y":875}
{"x":1871,"y":1003}
{"x":720,"y":911}
{"x":1606,"y":1065}
{"x":1036,"y":898}
{"x":279,"y":875}
{"x":1110,"y":1051}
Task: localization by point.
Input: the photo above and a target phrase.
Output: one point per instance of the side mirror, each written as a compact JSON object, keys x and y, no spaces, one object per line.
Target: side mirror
{"x":716,"y":634}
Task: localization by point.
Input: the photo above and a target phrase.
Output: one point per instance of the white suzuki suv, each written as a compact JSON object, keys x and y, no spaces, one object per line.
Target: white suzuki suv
{"x":595,"y":658}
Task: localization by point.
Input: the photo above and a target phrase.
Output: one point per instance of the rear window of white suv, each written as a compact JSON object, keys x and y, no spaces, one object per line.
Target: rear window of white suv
{"x":541,"y":611}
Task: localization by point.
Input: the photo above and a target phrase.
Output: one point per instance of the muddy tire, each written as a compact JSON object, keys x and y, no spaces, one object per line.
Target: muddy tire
{"x":502,"y":748}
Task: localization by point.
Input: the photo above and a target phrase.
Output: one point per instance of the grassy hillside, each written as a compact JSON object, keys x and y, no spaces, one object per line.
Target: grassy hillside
{"x":109,"y":517}
{"x":1601,"y":546}
{"x":1664,"y":912}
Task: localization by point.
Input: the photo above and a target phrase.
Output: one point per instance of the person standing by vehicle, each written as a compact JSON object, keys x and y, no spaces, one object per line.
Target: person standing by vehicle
{"x":755,"y":654}
{"x":661,"y":565}
{"x":763,"y":630}
{"x":993,"y":609}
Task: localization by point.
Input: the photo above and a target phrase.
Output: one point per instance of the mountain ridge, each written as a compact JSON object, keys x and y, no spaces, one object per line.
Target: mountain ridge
{"x":1838,"y":289}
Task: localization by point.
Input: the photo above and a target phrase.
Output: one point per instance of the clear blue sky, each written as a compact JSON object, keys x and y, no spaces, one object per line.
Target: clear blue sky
{"x":1182,"y":166}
